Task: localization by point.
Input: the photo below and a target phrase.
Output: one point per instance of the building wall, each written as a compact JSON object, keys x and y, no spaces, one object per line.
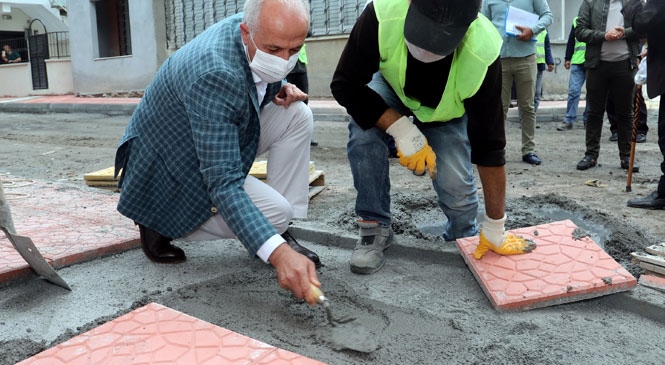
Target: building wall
{"x":18,"y":22}
{"x":133,"y":72}
{"x":59,"y":73}
{"x":150,"y":21}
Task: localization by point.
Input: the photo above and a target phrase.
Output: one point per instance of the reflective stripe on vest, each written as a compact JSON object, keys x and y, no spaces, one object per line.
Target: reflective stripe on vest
{"x":540,"y":47}
{"x":478,"y":49}
{"x":580,"y":49}
{"x":302,"y":56}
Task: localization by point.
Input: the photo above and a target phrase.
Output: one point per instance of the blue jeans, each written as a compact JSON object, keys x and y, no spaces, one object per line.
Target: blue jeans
{"x":455,"y":186}
{"x":539,"y":90}
{"x":577,"y":78}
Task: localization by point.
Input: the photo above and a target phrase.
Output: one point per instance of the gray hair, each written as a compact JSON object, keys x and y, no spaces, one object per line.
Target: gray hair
{"x":252,"y":10}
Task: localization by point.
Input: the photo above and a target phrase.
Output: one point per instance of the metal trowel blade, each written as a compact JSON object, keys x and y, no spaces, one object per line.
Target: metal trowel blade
{"x":29,"y":252}
{"x":351,"y":336}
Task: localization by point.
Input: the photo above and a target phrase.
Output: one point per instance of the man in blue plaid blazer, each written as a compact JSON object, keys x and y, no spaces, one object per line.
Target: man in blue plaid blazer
{"x":213,"y":106}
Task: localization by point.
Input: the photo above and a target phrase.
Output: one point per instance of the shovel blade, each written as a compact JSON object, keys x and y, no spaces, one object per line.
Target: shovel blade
{"x":29,"y":252}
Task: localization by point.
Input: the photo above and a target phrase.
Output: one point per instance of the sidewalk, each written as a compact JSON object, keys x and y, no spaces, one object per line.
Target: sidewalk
{"x":323,"y":108}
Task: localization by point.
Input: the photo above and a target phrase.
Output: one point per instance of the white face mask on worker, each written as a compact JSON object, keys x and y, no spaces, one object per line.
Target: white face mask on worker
{"x":270,"y":68}
{"x":421,"y":54}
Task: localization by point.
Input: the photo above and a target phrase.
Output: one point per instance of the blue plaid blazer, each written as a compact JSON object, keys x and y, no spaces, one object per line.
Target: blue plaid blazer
{"x":193,"y":138}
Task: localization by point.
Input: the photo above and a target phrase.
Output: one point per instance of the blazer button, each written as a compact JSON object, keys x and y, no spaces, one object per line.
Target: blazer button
{"x":213,"y":210}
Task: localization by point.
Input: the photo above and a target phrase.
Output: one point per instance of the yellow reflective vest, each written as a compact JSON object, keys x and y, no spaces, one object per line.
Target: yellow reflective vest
{"x":478,"y":49}
{"x":580,"y":49}
{"x":540,"y":47}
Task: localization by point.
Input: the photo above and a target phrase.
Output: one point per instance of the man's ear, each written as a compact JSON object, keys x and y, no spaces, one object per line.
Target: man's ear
{"x":244,"y":33}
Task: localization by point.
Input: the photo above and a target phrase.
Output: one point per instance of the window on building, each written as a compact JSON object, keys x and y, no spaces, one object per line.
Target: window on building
{"x":113,"y":29}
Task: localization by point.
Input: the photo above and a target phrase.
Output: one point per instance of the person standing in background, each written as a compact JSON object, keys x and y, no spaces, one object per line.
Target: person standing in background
{"x":574,"y":61}
{"x":545,"y":61}
{"x":642,"y":127}
{"x":649,"y":20}
{"x":298,"y":76}
{"x":518,"y":63}
{"x":611,"y":55}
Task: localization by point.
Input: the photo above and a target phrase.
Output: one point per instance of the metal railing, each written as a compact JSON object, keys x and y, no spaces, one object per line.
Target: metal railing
{"x":58,"y":45}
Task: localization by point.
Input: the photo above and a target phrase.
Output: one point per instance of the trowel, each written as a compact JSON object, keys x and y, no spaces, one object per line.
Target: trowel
{"x":345,"y":332}
{"x":26,"y":247}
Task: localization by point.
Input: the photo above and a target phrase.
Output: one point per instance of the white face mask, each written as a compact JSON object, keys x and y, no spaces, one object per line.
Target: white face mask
{"x":421,"y":54}
{"x":270,"y":68}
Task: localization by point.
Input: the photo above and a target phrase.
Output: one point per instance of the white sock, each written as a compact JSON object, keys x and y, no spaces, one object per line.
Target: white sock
{"x":494,"y":229}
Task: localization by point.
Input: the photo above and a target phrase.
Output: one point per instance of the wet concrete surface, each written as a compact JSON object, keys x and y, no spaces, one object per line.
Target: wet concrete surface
{"x":423,"y":307}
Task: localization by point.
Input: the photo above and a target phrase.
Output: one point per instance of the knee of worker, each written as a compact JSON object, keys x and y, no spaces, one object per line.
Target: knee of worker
{"x":279,"y":213}
{"x":459,"y":193}
{"x":367,"y":144}
{"x":303,"y":119}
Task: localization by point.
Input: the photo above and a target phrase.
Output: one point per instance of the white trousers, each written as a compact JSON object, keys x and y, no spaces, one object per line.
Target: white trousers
{"x":286,"y":134}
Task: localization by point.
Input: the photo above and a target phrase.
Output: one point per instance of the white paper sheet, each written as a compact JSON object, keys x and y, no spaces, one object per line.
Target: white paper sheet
{"x":515,"y":16}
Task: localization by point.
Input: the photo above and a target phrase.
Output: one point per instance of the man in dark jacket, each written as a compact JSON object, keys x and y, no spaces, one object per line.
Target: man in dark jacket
{"x":611,"y":55}
{"x":649,"y":19}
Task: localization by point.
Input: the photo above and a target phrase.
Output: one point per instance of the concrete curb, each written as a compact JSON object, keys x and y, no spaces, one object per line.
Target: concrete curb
{"x":38,"y":108}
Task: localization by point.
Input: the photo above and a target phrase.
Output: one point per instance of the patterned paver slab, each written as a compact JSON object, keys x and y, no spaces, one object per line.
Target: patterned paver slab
{"x":566,"y":266}
{"x":155,"y":334}
{"x":67,"y":225}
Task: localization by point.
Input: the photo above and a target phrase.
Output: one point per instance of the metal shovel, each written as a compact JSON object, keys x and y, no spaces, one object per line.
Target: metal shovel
{"x":26,"y":247}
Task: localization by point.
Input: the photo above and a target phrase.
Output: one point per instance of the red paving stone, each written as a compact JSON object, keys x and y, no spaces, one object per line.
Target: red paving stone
{"x":653,"y":281}
{"x":562,"y":269}
{"x":68,"y":225}
{"x":155,"y":334}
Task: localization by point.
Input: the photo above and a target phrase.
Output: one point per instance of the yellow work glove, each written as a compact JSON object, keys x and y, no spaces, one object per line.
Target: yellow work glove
{"x":412,"y":148}
{"x":493,"y":237}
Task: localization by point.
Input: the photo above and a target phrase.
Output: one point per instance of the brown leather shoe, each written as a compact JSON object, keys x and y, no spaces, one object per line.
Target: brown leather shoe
{"x":301,"y":250}
{"x":158,"y":248}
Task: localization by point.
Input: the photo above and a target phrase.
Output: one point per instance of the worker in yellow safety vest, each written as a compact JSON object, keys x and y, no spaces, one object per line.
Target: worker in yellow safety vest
{"x":574,"y":61}
{"x":545,"y":61}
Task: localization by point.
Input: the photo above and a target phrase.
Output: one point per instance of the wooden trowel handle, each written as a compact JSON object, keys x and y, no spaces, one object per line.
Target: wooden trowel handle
{"x":317,"y":295}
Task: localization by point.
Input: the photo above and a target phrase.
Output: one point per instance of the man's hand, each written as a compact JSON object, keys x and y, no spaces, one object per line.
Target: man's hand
{"x":550,"y":68}
{"x":289,"y":94}
{"x":295,"y":272}
{"x":526,"y":35}
{"x":566,"y":65}
{"x":615,"y":34}
{"x":412,"y":148}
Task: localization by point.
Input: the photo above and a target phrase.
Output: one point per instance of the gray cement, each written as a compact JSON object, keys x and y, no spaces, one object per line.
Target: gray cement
{"x":423,"y":307}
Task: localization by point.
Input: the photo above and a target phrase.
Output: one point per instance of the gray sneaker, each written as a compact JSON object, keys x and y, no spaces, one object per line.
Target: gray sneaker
{"x":564,"y":126}
{"x":367,"y":257}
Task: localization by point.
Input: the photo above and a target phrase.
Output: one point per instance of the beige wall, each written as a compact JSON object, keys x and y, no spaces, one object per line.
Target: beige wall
{"x":59,"y":79}
{"x":322,"y":56}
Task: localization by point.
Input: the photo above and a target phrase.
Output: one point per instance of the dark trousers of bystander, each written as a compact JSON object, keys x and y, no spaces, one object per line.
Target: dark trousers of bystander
{"x":661,"y":144}
{"x":615,"y":78}
{"x":641,"y":122}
